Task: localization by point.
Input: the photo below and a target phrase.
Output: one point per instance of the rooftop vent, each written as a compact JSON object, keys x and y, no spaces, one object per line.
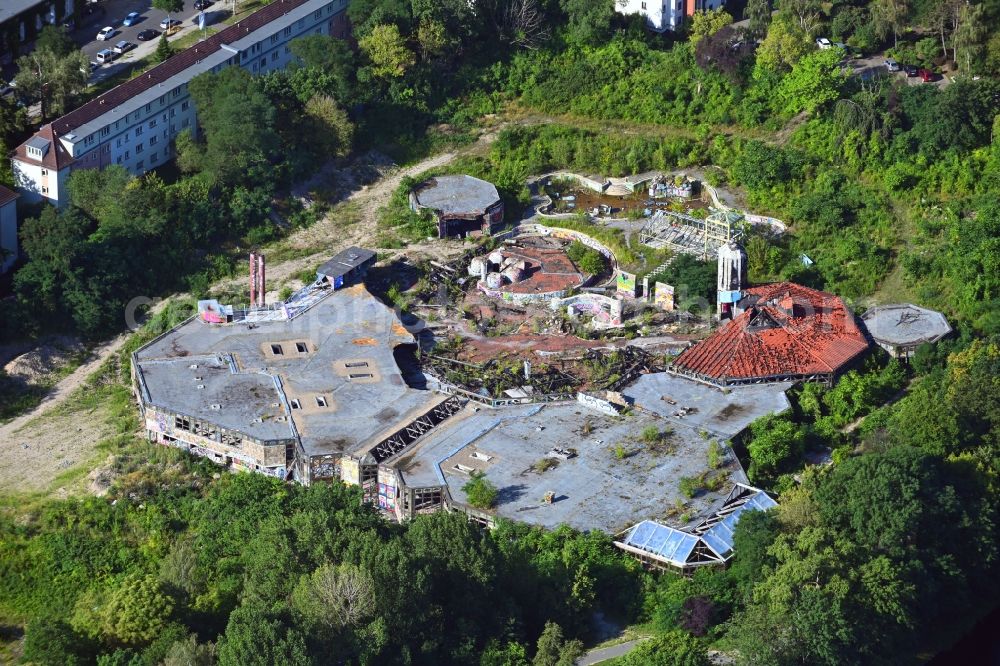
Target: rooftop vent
{"x":201,"y":386}
{"x":215,"y":406}
{"x":193,"y":366}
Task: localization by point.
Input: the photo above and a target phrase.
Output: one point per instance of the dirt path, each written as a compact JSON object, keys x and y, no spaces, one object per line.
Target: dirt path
{"x":62,"y":389}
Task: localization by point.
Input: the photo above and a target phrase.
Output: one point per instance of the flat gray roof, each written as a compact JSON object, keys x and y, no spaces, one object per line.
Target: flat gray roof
{"x":457,"y":195}
{"x":348,"y":333}
{"x":205,"y":388}
{"x":905,"y":324}
{"x":722,"y":412}
{"x":345,"y":262}
{"x":593,"y":490}
{"x":11,"y":8}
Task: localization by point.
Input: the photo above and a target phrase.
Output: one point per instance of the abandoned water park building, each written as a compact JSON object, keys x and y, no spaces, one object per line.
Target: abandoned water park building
{"x":319,"y":388}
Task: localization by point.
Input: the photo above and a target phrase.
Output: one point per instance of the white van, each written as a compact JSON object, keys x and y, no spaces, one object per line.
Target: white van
{"x":105,"y":56}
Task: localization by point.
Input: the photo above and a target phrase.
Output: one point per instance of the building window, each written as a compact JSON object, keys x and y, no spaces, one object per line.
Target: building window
{"x":126,"y":154}
{"x":45,"y":190}
{"x":296,"y":404}
{"x":318,"y":14}
{"x":138,"y":130}
{"x":644,"y":5}
{"x":139,"y":165}
{"x":301,"y":347}
{"x":148,"y":107}
{"x":288,"y":31}
{"x":274,"y":39}
{"x":118,"y":144}
{"x":90,"y":139}
{"x":45,"y":172}
{"x":119,"y":160}
{"x":152,"y":158}
{"x":173,"y":112}
{"x":255,"y":67}
{"x":288,"y":49}
{"x":152,"y":123}
{"x":184,"y":106}
{"x":277,"y":350}
{"x":320,"y":401}
{"x":152,"y":140}
{"x":263,"y":62}
{"x":138,"y":148}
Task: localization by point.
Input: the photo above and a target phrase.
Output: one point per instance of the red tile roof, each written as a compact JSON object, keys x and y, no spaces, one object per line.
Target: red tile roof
{"x":56,"y":157}
{"x":787,"y":330}
{"x":6,"y":196}
{"x":171,"y":67}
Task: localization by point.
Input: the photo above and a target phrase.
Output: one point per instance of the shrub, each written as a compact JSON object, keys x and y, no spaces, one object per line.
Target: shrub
{"x":689,"y":486}
{"x":480,"y":491}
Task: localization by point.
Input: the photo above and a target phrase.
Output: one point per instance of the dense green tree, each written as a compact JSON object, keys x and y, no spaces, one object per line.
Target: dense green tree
{"x":163,"y":49}
{"x":55,"y":40}
{"x":815,"y":80}
{"x":775,"y":443}
{"x":138,"y":610}
{"x":51,"y":79}
{"x":589,"y":21}
{"x":554,"y":650}
{"x":758,"y":13}
{"x":241,"y":141}
{"x":785,"y":44}
{"x":705,"y":23}
{"x":386,"y":50}
{"x":674,"y":648}
{"x":50,"y":642}
{"x":253,"y":638}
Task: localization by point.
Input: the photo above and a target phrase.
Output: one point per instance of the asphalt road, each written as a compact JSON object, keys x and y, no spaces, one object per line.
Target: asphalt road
{"x":611,"y":652}
{"x":114,"y":13}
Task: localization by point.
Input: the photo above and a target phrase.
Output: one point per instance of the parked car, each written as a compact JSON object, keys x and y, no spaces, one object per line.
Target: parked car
{"x":926,"y":75}
{"x":842,"y":46}
{"x":104,"y":56}
{"x":131,"y":19}
{"x":911,"y":70}
{"x":891,"y":65}
{"x":168,"y":23}
{"x":106,"y":33}
{"x":148,"y":34}
{"x":203,"y":4}
{"x":823,"y":42}
{"x":124,"y":46}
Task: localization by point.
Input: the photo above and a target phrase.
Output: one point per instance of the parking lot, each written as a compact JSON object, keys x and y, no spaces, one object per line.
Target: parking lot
{"x":874,"y":67}
{"x":113,"y":12}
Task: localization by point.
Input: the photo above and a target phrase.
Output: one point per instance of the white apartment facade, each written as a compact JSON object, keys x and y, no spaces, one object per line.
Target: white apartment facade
{"x":135,"y":124}
{"x":663,"y":15}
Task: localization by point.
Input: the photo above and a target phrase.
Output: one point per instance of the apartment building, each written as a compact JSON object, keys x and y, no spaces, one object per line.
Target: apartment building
{"x":663,"y":15}
{"x":135,"y":124}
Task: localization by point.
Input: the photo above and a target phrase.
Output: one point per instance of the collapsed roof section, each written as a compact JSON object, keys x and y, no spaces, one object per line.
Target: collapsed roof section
{"x":708,"y":543}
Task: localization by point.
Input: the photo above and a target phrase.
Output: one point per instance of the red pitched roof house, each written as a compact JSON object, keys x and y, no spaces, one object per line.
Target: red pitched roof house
{"x":780,"y":332}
